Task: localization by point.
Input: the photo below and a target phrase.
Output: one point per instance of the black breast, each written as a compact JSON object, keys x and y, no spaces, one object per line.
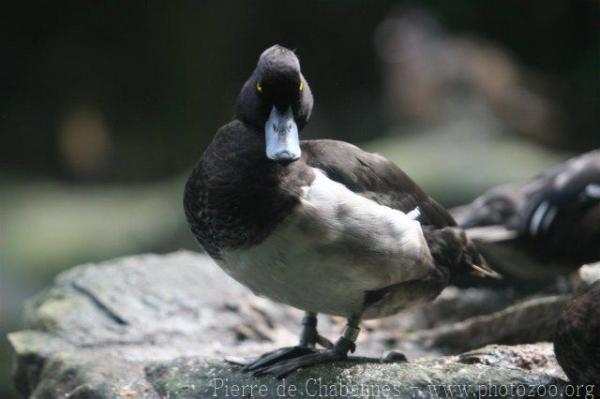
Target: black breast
{"x":235,"y":197}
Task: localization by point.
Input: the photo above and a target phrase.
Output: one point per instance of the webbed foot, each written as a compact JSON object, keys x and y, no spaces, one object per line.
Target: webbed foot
{"x":339,"y":351}
{"x":283,"y":368}
{"x":279,"y":355}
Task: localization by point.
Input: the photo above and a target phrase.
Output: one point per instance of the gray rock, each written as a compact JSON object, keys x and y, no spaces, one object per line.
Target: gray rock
{"x":159,"y":326}
{"x":528,"y":321}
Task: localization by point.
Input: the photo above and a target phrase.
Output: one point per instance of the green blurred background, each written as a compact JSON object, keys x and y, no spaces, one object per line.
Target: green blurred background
{"x":105,"y":106}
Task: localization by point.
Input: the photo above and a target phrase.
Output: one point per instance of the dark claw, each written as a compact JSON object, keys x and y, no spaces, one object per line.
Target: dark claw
{"x":282,"y":369}
{"x":352,"y":347}
{"x":394,"y":357}
{"x":278,"y":355}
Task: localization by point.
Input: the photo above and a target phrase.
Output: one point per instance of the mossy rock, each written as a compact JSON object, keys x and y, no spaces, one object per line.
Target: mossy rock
{"x":160,"y":326}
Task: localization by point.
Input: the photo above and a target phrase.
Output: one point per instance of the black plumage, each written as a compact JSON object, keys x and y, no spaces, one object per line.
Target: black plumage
{"x":318,"y":224}
{"x":577,"y":338}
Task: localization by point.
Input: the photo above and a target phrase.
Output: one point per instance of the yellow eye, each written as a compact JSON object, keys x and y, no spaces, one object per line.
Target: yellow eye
{"x":258,"y":87}
{"x":301,"y":85}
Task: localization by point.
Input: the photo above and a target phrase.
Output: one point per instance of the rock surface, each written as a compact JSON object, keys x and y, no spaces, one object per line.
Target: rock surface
{"x":159,"y":326}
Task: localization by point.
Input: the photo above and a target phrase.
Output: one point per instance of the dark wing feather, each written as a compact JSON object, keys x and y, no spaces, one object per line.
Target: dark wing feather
{"x":555,"y":213}
{"x":562,"y":191}
{"x":374,"y":177}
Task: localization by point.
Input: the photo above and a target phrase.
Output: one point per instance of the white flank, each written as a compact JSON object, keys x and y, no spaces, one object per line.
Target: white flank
{"x":414,"y":214}
{"x":335,"y":246}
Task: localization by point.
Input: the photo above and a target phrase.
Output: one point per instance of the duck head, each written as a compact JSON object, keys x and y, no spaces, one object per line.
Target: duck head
{"x":277,"y":101}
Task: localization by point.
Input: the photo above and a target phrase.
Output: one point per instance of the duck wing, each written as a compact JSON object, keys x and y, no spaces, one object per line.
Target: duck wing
{"x":374,"y":177}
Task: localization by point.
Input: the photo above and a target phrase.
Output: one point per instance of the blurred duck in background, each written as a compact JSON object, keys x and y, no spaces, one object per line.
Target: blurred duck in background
{"x":546,"y":226}
{"x":577,"y":342}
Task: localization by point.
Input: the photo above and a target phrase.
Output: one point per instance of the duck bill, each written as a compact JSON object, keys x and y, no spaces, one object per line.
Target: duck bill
{"x":281,"y":136}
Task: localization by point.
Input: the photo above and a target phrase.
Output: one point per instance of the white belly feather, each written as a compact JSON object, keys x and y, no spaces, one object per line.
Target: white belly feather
{"x":333,"y":248}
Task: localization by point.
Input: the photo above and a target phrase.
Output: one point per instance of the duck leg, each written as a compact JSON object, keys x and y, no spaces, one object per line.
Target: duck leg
{"x":309,"y":338}
{"x":339,"y":351}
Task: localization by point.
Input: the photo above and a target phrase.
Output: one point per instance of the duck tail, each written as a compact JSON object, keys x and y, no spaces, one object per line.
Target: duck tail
{"x":484,"y":270}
